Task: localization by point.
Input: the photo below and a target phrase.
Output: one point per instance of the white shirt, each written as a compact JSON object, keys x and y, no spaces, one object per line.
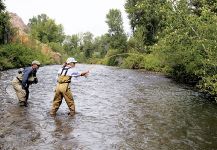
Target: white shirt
{"x":69,"y":71}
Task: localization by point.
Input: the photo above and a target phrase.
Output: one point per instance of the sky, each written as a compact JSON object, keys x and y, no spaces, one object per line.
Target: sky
{"x":76,"y":16}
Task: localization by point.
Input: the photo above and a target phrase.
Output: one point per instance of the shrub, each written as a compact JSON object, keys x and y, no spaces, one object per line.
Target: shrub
{"x":17,"y":55}
{"x":209,"y":85}
{"x":114,"y":57}
{"x":133,"y":61}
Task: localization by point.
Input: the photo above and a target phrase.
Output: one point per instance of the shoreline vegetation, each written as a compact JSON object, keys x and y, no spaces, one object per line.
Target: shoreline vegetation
{"x":175,"y":39}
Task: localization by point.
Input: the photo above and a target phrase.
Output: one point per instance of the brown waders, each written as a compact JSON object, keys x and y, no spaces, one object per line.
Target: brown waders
{"x":63,"y":91}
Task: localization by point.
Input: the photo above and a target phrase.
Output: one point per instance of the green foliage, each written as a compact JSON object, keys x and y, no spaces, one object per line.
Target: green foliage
{"x":137,"y":41}
{"x":178,"y":38}
{"x":199,"y":5}
{"x":16,"y":55}
{"x":209,"y":85}
{"x":71,"y":43}
{"x":115,"y":22}
{"x":117,"y":37}
{"x":133,"y":61}
{"x":6,"y":31}
{"x":80,"y":57}
{"x":101,"y":45}
{"x":87,"y":44}
{"x":2,"y":6}
{"x":86,"y":48}
{"x":57,"y":47}
{"x":147,"y":18}
{"x":114,"y":57}
{"x":45,"y":29}
{"x":154,"y":62}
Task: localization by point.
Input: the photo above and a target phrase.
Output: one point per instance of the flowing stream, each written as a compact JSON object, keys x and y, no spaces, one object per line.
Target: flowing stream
{"x":117,"y":109}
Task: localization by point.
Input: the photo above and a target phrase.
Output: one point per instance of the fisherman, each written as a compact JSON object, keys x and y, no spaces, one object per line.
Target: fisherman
{"x":63,"y":88}
{"x":23,"y":80}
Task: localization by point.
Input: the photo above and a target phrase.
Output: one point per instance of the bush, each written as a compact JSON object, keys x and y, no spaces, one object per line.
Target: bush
{"x":153,"y":62}
{"x":56,"y":47}
{"x":209,"y":85}
{"x":17,"y":55}
{"x":133,"y":61}
{"x":114,"y":57}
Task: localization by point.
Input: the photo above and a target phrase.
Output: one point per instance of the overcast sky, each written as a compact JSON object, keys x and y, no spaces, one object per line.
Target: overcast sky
{"x":76,"y":16}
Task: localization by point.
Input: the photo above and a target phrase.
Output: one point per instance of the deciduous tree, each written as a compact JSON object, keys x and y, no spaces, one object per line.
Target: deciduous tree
{"x":45,"y":29}
{"x":116,"y":32}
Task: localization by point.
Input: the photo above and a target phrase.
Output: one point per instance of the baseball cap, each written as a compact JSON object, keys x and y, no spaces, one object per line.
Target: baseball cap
{"x":36,"y":63}
{"x":71,"y":60}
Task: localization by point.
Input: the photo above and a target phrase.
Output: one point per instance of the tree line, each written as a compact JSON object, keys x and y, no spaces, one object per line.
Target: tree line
{"x":176,"y":37}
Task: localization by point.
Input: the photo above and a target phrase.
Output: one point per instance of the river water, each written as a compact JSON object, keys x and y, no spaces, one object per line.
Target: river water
{"x":117,"y":109}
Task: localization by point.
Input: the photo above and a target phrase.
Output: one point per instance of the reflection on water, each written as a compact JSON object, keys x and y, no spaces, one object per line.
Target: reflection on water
{"x":116,"y":109}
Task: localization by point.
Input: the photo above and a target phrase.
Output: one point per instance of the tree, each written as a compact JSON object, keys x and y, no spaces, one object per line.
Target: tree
{"x":6,"y":31}
{"x":87,"y":44}
{"x":116,"y":33}
{"x":198,"y":5}
{"x":45,"y":29}
{"x":2,"y":6}
{"x":101,"y":45}
{"x":71,"y":43}
{"x":147,"y":18}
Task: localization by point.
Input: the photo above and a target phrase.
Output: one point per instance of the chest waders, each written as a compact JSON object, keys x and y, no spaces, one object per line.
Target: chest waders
{"x":22,"y":93}
{"x":63,"y":78}
{"x":31,"y":80}
{"x":63,"y":92}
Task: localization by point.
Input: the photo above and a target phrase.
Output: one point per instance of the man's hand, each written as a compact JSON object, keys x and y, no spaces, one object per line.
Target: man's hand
{"x":24,"y":87}
{"x":85,"y":73}
{"x":35,"y":80}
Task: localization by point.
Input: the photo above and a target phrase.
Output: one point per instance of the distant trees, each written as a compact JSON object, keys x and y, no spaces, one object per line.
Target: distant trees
{"x":71,"y":43}
{"x":87,"y":44}
{"x":6,"y":31}
{"x":118,"y":38}
{"x":45,"y":29}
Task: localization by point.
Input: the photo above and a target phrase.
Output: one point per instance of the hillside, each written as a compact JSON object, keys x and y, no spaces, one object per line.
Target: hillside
{"x":23,"y":37}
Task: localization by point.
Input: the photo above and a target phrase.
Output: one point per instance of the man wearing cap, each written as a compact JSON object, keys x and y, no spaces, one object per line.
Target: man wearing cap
{"x":63,"y":89}
{"x":22,"y":81}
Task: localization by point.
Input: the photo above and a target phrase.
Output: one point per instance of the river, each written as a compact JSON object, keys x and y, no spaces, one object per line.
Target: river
{"x":117,"y":109}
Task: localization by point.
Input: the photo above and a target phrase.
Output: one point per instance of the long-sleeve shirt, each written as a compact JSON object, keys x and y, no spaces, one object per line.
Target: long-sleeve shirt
{"x":28,"y":72}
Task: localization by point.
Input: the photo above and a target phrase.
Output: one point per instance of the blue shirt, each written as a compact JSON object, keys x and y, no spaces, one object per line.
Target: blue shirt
{"x":27,"y":72}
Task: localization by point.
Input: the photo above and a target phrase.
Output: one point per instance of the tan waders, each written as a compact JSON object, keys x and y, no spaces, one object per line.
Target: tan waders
{"x":63,"y":91}
{"x":23,"y":80}
{"x":22,"y":94}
